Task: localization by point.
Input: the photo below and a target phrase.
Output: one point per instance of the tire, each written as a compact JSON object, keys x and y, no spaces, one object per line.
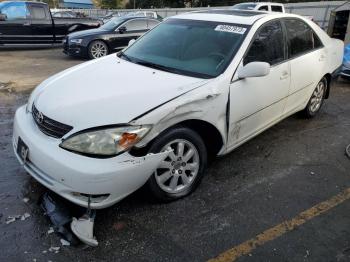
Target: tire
{"x":177,"y":177}
{"x":316,"y":100}
{"x":97,"y":49}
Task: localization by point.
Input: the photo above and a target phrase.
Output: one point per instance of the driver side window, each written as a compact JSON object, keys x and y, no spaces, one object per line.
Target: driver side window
{"x":268,"y":45}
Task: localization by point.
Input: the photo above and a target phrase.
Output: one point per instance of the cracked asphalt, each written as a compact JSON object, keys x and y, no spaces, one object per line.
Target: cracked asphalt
{"x":287,"y":169}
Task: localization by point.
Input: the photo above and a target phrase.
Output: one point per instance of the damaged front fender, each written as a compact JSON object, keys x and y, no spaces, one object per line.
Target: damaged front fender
{"x":207,"y":103}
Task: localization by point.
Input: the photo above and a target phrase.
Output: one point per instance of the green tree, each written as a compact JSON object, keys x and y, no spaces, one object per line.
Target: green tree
{"x":110,"y":4}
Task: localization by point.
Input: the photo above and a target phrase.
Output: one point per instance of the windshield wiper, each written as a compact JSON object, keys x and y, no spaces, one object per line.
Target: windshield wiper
{"x":156,"y":66}
{"x":122,"y":54}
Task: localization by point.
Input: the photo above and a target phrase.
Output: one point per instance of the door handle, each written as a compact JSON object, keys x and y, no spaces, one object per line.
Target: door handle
{"x":26,"y":23}
{"x":284,"y":75}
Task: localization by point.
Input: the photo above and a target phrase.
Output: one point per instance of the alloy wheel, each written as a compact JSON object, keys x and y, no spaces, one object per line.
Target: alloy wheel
{"x":317,"y":97}
{"x":98,"y":50}
{"x":177,"y":172}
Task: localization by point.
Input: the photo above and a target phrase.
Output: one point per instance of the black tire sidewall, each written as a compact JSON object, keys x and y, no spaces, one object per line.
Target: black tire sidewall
{"x":157,"y":146}
{"x":91,"y":44}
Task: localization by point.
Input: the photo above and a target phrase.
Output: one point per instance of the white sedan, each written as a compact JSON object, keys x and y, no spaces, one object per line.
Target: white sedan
{"x":197,"y":85}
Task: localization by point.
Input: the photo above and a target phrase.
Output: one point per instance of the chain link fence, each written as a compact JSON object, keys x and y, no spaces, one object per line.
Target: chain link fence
{"x":320,"y":11}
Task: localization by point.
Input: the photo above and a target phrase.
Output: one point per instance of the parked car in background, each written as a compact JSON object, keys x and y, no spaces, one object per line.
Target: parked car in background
{"x":345,"y":71}
{"x":197,"y":85}
{"x":67,"y":14}
{"x":260,"y":6}
{"x":31,"y":23}
{"x":150,"y":14}
{"x":110,"y":37}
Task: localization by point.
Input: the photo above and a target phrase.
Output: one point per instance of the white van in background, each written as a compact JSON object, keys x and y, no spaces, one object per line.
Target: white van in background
{"x":260,"y":6}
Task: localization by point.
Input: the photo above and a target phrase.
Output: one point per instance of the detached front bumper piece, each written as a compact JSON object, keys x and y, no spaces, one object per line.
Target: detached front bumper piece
{"x":74,"y":176}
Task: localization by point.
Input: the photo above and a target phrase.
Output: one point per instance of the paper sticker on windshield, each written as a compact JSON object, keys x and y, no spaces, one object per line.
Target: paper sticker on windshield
{"x":231,"y":29}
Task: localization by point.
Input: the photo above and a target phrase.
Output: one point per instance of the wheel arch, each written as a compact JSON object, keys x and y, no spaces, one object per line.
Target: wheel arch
{"x":210,"y":135}
{"x":328,"y":77}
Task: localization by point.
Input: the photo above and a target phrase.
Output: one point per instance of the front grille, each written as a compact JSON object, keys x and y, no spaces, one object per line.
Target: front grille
{"x":49,"y":126}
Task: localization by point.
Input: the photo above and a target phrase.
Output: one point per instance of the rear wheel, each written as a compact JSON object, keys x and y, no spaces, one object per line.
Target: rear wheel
{"x":181,"y":172}
{"x":316,"y":101}
{"x":97,"y":49}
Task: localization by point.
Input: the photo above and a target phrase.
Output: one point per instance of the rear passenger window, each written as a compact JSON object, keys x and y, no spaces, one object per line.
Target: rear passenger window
{"x":268,"y":45}
{"x":264,"y":8}
{"x":38,"y":12}
{"x":301,"y":37}
{"x":276,"y":8}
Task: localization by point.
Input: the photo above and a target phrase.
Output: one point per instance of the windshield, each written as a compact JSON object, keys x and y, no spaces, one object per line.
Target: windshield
{"x":195,"y":48}
{"x":112,"y":24}
{"x":244,"y":7}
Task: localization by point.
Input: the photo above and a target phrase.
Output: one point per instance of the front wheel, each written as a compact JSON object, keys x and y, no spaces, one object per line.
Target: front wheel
{"x":317,"y":98}
{"x":181,"y":172}
{"x":97,"y":49}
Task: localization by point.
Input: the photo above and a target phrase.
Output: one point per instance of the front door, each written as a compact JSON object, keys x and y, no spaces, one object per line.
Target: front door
{"x":16,"y":29}
{"x":257,"y":102}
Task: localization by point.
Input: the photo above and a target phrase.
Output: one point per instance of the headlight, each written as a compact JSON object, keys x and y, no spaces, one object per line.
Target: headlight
{"x":76,"y":41}
{"x":105,"y":142}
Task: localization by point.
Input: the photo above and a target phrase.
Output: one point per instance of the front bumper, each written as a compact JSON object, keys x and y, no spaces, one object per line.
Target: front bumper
{"x":74,"y":49}
{"x":74,"y":176}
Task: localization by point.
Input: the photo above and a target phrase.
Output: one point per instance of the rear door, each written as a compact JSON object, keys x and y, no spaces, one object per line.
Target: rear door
{"x":42,"y":27}
{"x":307,"y":59}
{"x":16,"y":28}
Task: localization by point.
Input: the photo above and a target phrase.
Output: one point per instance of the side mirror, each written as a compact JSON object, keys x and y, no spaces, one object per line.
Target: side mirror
{"x":131,"y":42}
{"x":254,"y":69}
{"x":3,"y":17}
{"x":122,"y":29}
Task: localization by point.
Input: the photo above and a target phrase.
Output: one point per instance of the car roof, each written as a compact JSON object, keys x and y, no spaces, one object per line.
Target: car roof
{"x":126,"y":18}
{"x":226,"y":15}
{"x":244,"y":17}
{"x":260,"y":3}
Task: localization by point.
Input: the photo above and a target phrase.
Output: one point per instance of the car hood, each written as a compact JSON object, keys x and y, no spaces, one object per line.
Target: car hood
{"x":89,"y":32}
{"x":107,"y":91}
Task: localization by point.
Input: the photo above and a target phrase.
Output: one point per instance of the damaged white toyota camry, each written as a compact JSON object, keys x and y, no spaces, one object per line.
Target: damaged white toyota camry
{"x":198,"y":85}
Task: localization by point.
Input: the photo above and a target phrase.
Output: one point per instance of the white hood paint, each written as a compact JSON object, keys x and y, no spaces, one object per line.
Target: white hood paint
{"x":108,"y":91}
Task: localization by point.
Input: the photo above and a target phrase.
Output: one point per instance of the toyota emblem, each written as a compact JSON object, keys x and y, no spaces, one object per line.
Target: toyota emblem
{"x":39,"y":117}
